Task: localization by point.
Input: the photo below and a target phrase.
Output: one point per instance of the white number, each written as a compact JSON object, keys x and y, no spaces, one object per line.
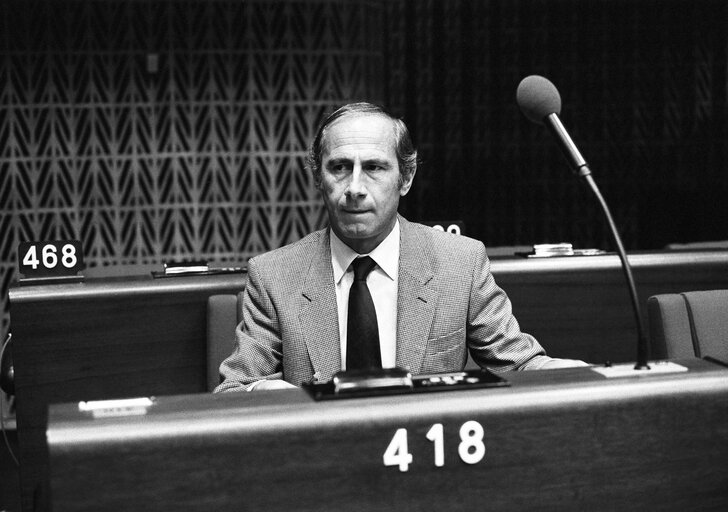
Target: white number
{"x":435,"y":434}
{"x":69,"y":256}
{"x":471,"y":436}
{"x":454,"y":229}
{"x":30,"y":259}
{"x":49,"y":256}
{"x":397,"y":453}
{"x":471,"y":448}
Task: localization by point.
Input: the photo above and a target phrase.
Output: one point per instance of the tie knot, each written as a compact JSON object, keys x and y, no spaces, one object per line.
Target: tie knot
{"x":362,"y":267}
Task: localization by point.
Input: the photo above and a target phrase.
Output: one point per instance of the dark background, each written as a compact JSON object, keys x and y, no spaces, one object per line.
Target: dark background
{"x":643,"y":87}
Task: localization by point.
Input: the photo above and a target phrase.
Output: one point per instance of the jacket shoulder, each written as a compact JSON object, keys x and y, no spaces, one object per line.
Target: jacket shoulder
{"x":444,"y":242}
{"x":292,"y":256}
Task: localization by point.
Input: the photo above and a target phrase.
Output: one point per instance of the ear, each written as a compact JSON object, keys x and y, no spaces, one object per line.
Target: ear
{"x":407,"y":184}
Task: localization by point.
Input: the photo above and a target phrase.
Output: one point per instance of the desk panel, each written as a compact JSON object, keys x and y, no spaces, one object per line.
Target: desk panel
{"x":580,"y":308}
{"x":554,"y":440}
{"x":104,"y":338}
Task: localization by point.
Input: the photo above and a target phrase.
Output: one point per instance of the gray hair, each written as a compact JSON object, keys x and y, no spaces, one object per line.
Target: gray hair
{"x":403,"y":146}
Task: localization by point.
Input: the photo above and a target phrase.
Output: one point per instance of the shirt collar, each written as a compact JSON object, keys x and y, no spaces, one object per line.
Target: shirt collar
{"x":386,"y":254}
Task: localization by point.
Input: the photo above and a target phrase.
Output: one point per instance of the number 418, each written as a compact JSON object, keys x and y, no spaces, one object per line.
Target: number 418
{"x":471,"y":448}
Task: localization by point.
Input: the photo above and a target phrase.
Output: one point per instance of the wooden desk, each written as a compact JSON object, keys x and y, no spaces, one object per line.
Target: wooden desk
{"x":104,"y":338}
{"x":579,"y":307}
{"x":554,"y":440}
{"x":114,"y":338}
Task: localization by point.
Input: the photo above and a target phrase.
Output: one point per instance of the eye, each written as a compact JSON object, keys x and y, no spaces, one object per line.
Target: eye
{"x":339,"y":167}
{"x":373,"y":167}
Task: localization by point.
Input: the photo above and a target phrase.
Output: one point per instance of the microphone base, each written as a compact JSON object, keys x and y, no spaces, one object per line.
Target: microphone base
{"x":629,"y":369}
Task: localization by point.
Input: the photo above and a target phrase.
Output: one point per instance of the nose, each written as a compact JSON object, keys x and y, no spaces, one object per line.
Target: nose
{"x":356,"y":187}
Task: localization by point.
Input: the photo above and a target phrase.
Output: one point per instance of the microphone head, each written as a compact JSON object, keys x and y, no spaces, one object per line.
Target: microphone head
{"x":538,"y":97}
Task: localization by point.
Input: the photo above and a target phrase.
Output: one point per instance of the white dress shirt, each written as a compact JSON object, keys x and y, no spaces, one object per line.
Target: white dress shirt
{"x":382,"y":283}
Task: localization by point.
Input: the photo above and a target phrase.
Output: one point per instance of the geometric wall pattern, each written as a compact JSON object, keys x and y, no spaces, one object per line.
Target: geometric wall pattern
{"x":166,"y":130}
{"x":163,"y":129}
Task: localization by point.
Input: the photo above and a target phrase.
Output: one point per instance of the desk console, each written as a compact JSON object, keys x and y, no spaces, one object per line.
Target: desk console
{"x":566,"y":439}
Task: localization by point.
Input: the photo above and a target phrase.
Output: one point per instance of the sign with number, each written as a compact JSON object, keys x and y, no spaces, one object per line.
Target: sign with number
{"x":50,"y":258}
{"x":456,"y":227}
{"x":471,"y":448}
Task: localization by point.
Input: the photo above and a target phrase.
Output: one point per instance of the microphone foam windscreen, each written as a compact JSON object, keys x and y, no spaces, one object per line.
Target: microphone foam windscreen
{"x":538,"y":97}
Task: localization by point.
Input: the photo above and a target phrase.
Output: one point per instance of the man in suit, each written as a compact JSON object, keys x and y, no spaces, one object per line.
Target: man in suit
{"x":433,"y":296}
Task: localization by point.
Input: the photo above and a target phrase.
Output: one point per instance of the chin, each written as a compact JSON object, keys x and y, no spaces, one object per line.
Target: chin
{"x":355,"y":232}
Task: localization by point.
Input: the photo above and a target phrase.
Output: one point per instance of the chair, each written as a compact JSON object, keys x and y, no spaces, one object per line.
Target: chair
{"x":224,"y":313}
{"x":7,"y":371}
{"x":690,"y":324}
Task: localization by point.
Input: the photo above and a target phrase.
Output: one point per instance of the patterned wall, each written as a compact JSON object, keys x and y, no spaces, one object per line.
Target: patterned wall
{"x":164,"y":129}
{"x":170,"y":129}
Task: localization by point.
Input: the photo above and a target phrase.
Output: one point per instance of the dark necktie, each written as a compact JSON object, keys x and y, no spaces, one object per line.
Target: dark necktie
{"x":362,"y":332}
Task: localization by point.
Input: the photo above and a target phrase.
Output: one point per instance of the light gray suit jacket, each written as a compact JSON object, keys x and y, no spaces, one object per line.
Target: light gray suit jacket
{"x":448,"y":302}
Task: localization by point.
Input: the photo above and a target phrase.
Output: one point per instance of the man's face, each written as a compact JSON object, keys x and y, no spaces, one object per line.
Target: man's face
{"x":360,"y":179}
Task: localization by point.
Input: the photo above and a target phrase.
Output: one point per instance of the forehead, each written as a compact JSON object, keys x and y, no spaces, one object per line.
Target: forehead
{"x":360,"y":134}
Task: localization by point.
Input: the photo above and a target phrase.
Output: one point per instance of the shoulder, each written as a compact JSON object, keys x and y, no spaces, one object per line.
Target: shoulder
{"x":292,"y":257}
{"x":440,"y":243}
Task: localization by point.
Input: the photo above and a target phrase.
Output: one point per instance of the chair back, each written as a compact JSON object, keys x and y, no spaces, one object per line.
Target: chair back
{"x":224,"y":313}
{"x":689,"y":324}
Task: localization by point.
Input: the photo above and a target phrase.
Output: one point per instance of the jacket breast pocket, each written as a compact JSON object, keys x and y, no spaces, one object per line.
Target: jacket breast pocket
{"x":446,"y":353}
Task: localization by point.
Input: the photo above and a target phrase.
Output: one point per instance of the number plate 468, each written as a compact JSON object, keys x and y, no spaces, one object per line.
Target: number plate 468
{"x":50,"y":258}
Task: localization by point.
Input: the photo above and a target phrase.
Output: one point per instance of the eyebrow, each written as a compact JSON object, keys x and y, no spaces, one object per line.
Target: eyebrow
{"x":367,"y":161}
{"x":378,"y":161}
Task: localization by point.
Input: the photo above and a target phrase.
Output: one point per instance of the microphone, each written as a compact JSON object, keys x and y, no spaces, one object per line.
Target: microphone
{"x":540,"y":102}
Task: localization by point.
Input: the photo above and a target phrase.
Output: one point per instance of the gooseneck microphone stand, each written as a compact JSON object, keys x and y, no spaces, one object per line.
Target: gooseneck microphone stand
{"x":642,"y":345}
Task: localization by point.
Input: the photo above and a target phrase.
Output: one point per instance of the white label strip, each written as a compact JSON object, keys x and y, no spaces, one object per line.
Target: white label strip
{"x":628,"y":369}
{"x":123,"y":407}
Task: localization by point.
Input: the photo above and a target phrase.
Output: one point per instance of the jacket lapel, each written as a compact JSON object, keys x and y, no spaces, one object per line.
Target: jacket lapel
{"x":416,"y":300}
{"x":318,"y":314}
